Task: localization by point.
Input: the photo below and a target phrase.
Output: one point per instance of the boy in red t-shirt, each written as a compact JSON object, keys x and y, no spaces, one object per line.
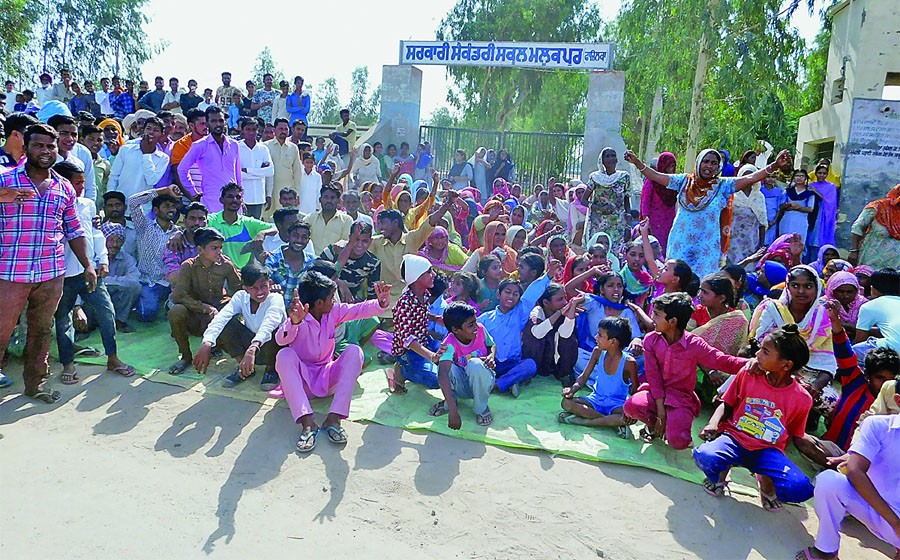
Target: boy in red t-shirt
{"x":762,"y":409}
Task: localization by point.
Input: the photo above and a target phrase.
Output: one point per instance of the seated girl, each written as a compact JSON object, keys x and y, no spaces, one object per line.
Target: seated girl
{"x":549,"y":336}
{"x":490,"y":273}
{"x":616,"y":379}
{"x":844,"y":288}
{"x":463,"y":288}
{"x":762,"y":410}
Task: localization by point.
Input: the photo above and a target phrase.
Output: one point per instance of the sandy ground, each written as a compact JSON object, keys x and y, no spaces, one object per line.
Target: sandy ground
{"x":126,"y":468}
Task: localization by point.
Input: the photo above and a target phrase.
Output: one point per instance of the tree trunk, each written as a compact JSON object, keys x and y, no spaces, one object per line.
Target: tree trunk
{"x":697,"y":90}
{"x":655,"y":128}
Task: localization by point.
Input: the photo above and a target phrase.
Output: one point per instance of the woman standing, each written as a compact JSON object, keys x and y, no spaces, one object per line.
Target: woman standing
{"x":696,"y":235}
{"x":797,"y":213}
{"x":658,"y":202}
{"x":366,"y":168}
{"x":608,"y":199}
{"x":502,"y":167}
{"x":480,"y":168}
{"x":828,"y":207}
{"x":748,"y":226}
{"x":875,"y":235}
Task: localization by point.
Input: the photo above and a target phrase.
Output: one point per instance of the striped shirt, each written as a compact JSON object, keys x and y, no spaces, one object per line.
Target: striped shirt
{"x":31,"y":243}
{"x":856,"y":397}
{"x":285,"y":276}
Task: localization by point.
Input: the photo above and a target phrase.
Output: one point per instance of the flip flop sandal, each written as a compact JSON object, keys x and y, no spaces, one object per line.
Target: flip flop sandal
{"x":124,"y":370}
{"x":715,"y":489}
{"x":806,"y":554}
{"x":770,"y":502}
{"x":565,"y":417}
{"x":177,"y":368}
{"x":307,"y":441}
{"x":438,"y":409}
{"x":46,"y":396}
{"x":69,"y":377}
{"x":646,"y":435}
{"x":622,"y":432}
{"x":485,"y":419}
{"x":336,"y":434}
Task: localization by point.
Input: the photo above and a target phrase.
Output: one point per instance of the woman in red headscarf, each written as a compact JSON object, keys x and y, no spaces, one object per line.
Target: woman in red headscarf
{"x":493,"y":211}
{"x":875,"y":235}
{"x":658,"y":202}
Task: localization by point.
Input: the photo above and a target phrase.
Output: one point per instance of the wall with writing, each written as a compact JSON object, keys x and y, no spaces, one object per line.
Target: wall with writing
{"x":872,"y":159}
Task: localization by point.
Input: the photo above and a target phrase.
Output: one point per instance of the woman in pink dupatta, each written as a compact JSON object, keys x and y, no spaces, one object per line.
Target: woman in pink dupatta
{"x":658,"y":202}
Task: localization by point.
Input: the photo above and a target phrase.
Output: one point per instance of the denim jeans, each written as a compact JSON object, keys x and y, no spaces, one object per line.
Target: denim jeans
{"x":511,"y":372}
{"x":123,"y":297}
{"x":417,"y":369}
{"x":719,"y":455}
{"x":148,"y":302}
{"x":475,"y":382}
{"x":100,"y":307}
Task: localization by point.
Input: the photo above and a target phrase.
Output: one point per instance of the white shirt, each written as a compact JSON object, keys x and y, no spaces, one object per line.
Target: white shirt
{"x":258,"y":163}
{"x":878,"y":439}
{"x":134,"y":172}
{"x":102,"y":99}
{"x":310,"y":185}
{"x":269,"y":316}
{"x":94,"y":239}
{"x":173,"y":98}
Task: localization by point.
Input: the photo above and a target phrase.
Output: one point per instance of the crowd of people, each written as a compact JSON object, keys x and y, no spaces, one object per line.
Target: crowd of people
{"x":219,"y":214}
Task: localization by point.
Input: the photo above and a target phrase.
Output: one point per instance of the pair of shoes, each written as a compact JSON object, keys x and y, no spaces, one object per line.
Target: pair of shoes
{"x":269,"y":381}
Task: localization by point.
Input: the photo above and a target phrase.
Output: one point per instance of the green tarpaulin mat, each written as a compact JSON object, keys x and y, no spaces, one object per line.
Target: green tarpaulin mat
{"x":529,"y":422}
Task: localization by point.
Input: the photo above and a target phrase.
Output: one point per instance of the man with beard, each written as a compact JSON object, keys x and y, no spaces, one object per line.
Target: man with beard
{"x":236,"y":228}
{"x":194,"y":219}
{"x":70,"y":150}
{"x":264,"y":99}
{"x":139,"y":166}
{"x":226,"y":91}
{"x":218,"y":158}
{"x":37,"y":210}
{"x":286,"y":162}
{"x":153,"y":100}
{"x":197,"y":124}
{"x":172,"y":100}
{"x":329,"y":225}
{"x":152,"y":236}
{"x":114,"y":209}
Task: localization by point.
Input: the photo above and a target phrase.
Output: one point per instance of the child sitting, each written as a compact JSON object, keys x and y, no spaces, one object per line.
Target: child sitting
{"x":604,"y":406}
{"x":416,"y":352}
{"x":530,"y":266}
{"x":463,"y":288}
{"x":490,"y":273}
{"x":506,"y":323}
{"x":638,"y":281}
{"x":667,"y":403}
{"x":250,"y":342}
{"x":307,"y":367}
{"x":465,"y":369}
{"x":763,"y":408}
{"x":549,"y":337}
{"x":290,"y":261}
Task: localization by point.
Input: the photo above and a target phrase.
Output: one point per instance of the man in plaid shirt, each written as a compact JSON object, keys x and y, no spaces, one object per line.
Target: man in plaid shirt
{"x":37,"y":210}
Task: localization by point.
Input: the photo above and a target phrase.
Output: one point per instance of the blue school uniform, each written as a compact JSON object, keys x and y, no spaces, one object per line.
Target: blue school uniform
{"x":610,"y":390}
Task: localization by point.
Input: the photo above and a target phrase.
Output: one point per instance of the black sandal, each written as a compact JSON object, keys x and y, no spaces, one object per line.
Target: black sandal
{"x":46,"y":396}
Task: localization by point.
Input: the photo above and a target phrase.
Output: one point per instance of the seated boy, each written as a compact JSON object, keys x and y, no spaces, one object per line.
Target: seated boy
{"x":506,"y":322}
{"x":465,"y":369}
{"x":250,"y":342}
{"x":858,"y":392}
{"x":307,"y":367}
{"x":667,"y":403}
{"x":124,"y":279}
{"x":867,"y":487}
{"x":416,"y":353}
{"x":288,"y":263}
{"x":199,"y":292}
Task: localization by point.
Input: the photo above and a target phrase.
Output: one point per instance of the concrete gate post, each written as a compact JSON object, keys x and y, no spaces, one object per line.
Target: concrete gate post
{"x":603,"y":122}
{"x":401,"y":101}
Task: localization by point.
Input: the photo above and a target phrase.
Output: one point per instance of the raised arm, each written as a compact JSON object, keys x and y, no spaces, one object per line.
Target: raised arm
{"x":646,"y":170}
{"x":744,"y":183}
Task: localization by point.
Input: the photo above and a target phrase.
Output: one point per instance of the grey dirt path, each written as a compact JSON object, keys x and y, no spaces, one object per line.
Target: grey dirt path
{"x":126,"y":468}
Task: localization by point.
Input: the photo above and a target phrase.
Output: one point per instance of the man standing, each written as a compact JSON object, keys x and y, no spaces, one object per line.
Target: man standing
{"x":13,"y":149}
{"x":297,"y":104}
{"x":190,"y":99}
{"x":139,"y":166}
{"x":121,"y":101}
{"x":256,"y":167}
{"x":44,"y":93}
{"x":63,"y":90}
{"x":264,"y":99}
{"x":172,"y":100}
{"x":36,"y":220}
{"x":226,"y":91}
{"x":152,"y":237}
{"x":153,"y":100}
{"x":329,"y":225}
{"x":91,"y":97}
{"x":198,"y":130}
{"x":285,"y":162}
{"x":218,"y":158}
{"x":103,"y":97}
{"x":344,"y":136}
{"x":69,"y":149}
{"x":91,"y":137}
{"x":279,"y":104}
{"x":310,"y":184}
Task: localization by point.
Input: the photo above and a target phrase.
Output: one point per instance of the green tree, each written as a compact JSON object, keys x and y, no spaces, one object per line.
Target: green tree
{"x":513,"y":98}
{"x":90,"y":37}
{"x":17,"y":18}
{"x":442,"y":117}
{"x":364,"y":107}
{"x":265,"y":64}
{"x":736,"y":69}
{"x":326,"y":104}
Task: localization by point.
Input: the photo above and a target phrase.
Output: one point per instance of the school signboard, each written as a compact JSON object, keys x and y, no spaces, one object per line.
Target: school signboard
{"x":871,"y":159}
{"x":557,"y":56}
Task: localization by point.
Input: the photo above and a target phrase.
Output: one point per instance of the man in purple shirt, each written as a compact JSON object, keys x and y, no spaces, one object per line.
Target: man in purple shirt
{"x":36,"y":220}
{"x":217,"y":157}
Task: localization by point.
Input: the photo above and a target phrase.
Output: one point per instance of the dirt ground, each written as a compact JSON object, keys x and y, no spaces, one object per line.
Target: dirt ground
{"x":127,"y":468}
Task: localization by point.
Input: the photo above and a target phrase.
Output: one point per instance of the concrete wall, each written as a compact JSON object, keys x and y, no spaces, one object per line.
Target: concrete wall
{"x":865,"y":41}
{"x":603,"y":122}
{"x":401,"y":100}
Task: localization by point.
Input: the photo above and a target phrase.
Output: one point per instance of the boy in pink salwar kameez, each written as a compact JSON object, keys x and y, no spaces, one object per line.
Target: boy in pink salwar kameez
{"x":307,"y":367}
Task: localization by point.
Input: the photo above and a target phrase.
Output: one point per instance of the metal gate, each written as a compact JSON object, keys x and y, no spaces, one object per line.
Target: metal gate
{"x":537,"y":156}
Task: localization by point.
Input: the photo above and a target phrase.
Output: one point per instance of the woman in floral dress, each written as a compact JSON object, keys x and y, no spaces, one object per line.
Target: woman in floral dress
{"x":608,"y":199}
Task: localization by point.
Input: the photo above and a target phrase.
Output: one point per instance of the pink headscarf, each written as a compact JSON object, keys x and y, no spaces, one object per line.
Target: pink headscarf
{"x":501,"y":187}
{"x":441,"y":262}
{"x":841,"y":278}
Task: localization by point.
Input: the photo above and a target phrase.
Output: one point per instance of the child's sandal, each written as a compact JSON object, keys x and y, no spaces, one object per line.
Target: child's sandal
{"x":646,"y":435}
{"x":715,"y":489}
